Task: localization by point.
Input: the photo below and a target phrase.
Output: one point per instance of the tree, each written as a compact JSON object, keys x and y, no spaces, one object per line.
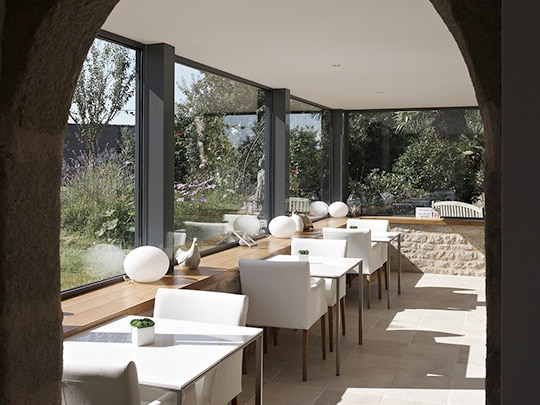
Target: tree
{"x":204,"y":147}
{"x":438,"y":149}
{"x":448,"y":153}
{"x":104,"y":86}
{"x":374,"y":143}
{"x":305,"y":164}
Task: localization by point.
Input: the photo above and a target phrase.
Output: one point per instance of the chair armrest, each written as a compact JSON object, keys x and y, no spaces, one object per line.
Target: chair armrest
{"x":316,"y":282}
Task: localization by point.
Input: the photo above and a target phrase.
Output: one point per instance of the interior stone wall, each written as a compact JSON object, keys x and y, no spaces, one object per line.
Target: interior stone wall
{"x":477,"y":29}
{"x":42,"y":46}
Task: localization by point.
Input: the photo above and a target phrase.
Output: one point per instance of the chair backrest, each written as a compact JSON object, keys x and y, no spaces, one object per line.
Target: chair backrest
{"x":375,"y":225}
{"x":278,"y":292}
{"x":202,"y":306}
{"x":358,"y":244}
{"x":358,"y":240}
{"x":458,"y":209}
{"x":87,"y":382}
{"x":319,"y":247}
{"x":223,"y":383}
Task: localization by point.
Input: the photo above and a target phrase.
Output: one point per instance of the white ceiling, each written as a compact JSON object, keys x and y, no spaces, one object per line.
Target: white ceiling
{"x":391,"y":53}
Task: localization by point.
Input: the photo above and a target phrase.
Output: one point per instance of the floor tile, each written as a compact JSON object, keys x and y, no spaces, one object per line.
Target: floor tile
{"x":428,"y":348}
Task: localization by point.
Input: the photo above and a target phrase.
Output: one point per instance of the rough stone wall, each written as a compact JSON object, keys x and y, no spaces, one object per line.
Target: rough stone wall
{"x":447,"y":249}
{"x":477,"y":29}
{"x":444,"y":249}
{"x":42,"y":48}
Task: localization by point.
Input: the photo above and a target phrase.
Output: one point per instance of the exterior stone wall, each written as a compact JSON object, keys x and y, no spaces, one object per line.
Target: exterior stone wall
{"x":430,"y":248}
{"x":441,"y":249}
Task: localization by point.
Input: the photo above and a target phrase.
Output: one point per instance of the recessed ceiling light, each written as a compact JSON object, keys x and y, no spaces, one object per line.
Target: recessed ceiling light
{"x":380,"y":92}
{"x":336,"y":65}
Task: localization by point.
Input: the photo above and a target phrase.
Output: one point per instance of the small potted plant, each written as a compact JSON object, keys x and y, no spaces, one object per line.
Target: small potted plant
{"x":353,"y":227}
{"x":142,"y":331}
{"x":303,"y":255}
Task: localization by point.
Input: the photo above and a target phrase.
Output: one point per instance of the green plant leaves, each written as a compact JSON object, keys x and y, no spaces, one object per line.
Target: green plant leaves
{"x":142,"y":323}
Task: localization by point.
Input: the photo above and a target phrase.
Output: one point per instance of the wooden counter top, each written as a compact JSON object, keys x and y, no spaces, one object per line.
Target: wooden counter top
{"x":131,"y":298}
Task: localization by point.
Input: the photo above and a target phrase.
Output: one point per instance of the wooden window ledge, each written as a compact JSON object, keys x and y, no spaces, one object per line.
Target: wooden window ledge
{"x":131,"y":298}
{"x":91,"y":309}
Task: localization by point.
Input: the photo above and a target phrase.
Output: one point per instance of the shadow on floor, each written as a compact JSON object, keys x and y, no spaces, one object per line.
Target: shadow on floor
{"x":429,"y":347}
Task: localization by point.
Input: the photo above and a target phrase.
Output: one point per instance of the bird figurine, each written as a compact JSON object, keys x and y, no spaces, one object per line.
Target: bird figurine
{"x":191,"y":258}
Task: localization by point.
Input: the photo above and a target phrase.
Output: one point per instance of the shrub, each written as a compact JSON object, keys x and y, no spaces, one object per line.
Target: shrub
{"x":204,"y":202}
{"x":98,"y":199}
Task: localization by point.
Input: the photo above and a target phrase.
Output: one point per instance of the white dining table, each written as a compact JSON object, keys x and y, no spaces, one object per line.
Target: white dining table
{"x":388,"y":237}
{"x":182,"y":351}
{"x":333,"y":268}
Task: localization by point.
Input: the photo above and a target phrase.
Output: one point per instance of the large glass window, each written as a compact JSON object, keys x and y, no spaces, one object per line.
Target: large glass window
{"x":308,"y":148}
{"x":98,"y":178}
{"x":219,"y":159}
{"x":400,"y":160}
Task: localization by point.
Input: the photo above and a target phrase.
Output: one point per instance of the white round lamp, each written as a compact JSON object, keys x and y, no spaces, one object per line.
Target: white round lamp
{"x":146,"y":264}
{"x":282,"y":226}
{"x":318,"y":209}
{"x":338,"y":209}
{"x":248,"y":224}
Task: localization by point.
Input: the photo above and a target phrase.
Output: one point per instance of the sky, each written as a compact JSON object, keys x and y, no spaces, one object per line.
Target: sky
{"x":239,"y":126}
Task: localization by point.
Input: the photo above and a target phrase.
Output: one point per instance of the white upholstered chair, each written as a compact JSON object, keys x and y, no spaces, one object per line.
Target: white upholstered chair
{"x":224,"y":383}
{"x":374,"y":225}
{"x":374,"y":255}
{"x":328,"y":248}
{"x":95,"y":382}
{"x":283,"y":295}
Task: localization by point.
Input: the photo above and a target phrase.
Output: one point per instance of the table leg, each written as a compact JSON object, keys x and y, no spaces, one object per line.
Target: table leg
{"x":336,"y":327}
{"x":387,"y":275}
{"x":360,"y":304}
{"x":258,"y":370}
{"x":399,"y":264}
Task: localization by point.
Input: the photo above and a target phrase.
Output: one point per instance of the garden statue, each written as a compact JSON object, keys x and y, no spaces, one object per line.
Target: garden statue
{"x":259,"y":191}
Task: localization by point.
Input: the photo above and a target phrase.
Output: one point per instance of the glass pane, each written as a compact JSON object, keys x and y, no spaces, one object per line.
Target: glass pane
{"x":98,"y":178}
{"x":219,"y":159}
{"x":400,"y":160}
{"x":309,"y":164}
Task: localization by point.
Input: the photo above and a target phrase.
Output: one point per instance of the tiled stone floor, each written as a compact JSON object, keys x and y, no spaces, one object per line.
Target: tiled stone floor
{"x":429,"y":348}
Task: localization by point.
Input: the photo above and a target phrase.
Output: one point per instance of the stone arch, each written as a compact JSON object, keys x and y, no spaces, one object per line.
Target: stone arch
{"x":476,"y":27}
{"x":43,"y":45}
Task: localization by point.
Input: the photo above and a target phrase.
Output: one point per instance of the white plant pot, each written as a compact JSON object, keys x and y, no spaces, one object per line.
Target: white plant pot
{"x":303,"y":258}
{"x":142,"y":336}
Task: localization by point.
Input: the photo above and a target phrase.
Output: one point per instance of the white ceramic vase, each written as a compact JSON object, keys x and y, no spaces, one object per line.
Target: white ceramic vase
{"x":142,"y":336}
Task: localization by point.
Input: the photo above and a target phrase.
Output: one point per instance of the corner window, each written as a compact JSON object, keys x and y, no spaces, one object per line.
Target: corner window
{"x":309,"y":163}
{"x":401,"y":160}
{"x":219,"y":159}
